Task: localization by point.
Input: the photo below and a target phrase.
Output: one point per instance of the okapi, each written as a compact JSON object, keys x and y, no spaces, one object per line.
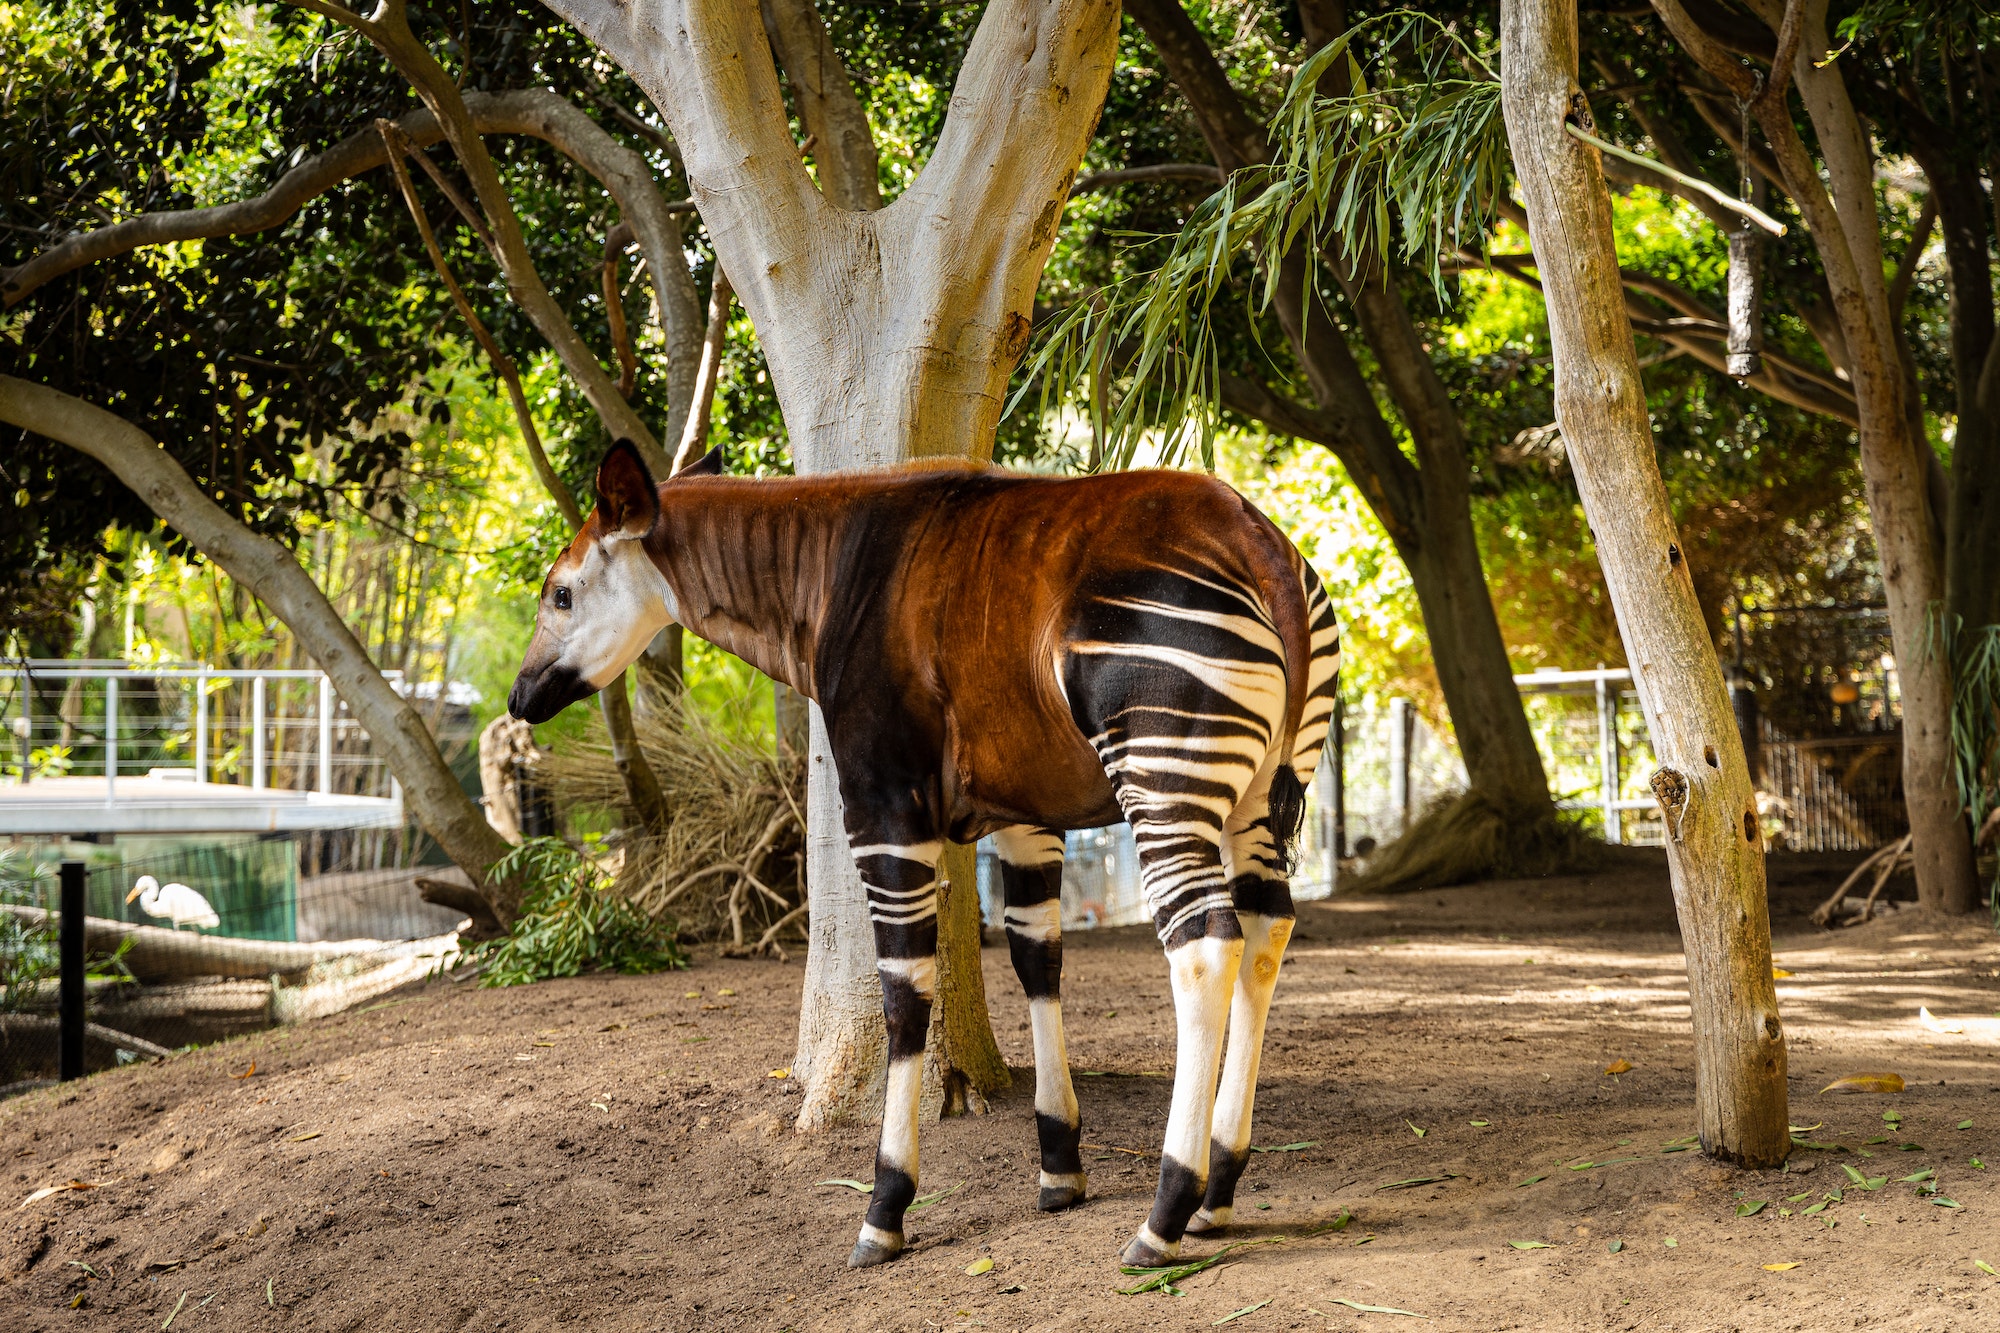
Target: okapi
{"x":999,"y":653}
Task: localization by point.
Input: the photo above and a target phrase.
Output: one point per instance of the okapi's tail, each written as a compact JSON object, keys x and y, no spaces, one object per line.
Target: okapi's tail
{"x":1281,"y":580}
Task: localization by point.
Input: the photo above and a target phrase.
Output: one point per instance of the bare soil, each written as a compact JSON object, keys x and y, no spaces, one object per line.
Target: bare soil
{"x":618,"y":1153}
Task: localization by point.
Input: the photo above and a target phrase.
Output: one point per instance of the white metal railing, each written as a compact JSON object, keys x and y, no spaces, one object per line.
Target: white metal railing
{"x":191,"y":725}
{"x":1611,"y":777}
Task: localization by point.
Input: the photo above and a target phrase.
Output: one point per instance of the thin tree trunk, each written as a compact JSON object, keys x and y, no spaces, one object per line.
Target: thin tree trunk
{"x":1714,"y":848}
{"x":272,"y":573}
{"x":1895,"y":461}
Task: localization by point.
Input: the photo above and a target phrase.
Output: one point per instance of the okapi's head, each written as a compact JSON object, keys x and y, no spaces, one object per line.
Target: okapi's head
{"x":604,"y":598}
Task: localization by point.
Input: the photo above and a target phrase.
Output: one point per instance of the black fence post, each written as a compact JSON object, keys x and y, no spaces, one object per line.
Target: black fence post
{"x":69,"y":1050}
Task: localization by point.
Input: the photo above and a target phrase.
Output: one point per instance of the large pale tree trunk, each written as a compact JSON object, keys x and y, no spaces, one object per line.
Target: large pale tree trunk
{"x":1714,"y":848}
{"x":890,"y":335}
{"x":269,"y":571}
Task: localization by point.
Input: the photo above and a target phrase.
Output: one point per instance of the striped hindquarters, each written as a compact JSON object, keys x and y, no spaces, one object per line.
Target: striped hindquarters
{"x":1178,"y":680}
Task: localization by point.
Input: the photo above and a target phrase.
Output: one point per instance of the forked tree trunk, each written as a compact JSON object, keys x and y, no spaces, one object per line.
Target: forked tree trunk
{"x":1714,"y":848}
{"x":890,"y":335}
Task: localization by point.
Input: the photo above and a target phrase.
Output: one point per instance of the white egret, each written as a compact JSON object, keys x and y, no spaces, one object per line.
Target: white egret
{"x":177,"y":902}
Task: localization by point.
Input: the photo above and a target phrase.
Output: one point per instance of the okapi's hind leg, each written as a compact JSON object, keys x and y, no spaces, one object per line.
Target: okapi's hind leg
{"x":901,"y":878}
{"x":1181,"y":865}
{"x":1031,"y":863}
{"x":1263,"y":899}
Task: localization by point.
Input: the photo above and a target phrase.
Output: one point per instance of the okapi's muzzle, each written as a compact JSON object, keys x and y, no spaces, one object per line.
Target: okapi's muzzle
{"x":539,"y":695}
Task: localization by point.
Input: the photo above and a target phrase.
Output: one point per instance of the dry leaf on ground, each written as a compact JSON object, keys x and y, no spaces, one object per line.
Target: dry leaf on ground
{"x":1866,"y":1083}
{"x":1933,"y":1023}
{"x":1618,"y":1067}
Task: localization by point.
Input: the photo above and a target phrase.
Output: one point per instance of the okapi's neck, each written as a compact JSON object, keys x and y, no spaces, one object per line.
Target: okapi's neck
{"x":751,"y":566}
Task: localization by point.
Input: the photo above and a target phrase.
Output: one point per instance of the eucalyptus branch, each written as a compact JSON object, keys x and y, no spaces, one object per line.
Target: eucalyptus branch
{"x":1724,"y":199}
{"x":388,"y":29}
{"x":503,"y":365}
{"x":695,"y":434}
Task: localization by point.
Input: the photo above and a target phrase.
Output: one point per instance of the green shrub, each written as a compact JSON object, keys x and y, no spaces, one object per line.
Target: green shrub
{"x":571,"y":923}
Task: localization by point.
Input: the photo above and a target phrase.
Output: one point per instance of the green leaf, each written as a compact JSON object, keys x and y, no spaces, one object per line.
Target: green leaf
{"x":1815,"y":1210}
{"x":1288,"y":1147}
{"x":1164,"y":1278}
{"x":1376,"y":1309}
{"x":1794,"y":1198}
{"x":1671,"y":1243}
{"x":1852,"y":1174}
{"x":1615,"y":1246}
{"x":1479,"y":1124}
{"x":1529,"y":1181}
{"x":926,"y":1200}
{"x":1943,"y":1202}
{"x":1751,"y":1207}
{"x":851,"y":1184}
{"x":1965,"y":1124}
{"x":981,"y":1265}
{"x":1414,"y":1130}
{"x":1926,"y":1174}
{"x":1986,"y":1268}
{"x":1238,"y":1314}
{"x":1531,"y":1245}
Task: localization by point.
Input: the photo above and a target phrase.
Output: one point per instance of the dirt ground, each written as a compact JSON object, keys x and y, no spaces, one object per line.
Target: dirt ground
{"x":617,"y":1154}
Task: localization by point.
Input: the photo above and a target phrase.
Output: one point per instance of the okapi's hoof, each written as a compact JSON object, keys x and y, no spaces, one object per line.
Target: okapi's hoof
{"x":1206,"y":1222}
{"x":1054,"y":1199}
{"x":1146,"y":1250}
{"x":872,"y":1250}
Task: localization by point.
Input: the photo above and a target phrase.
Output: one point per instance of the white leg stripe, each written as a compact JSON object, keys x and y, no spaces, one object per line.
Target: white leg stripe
{"x":1043,"y":921}
{"x":1054,"y":1094}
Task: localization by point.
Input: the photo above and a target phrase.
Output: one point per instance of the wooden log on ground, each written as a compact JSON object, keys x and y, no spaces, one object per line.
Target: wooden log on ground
{"x":159,"y":954}
{"x":12,"y":1025}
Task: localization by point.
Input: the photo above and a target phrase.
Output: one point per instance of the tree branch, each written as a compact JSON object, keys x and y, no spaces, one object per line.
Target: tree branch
{"x":1701,"y":333}
{"x":536,"y":112}
{"x":1165,"y":171}
{"x":274,"y":575}
{"x":388,"y":29}
{"x":849,"y":175}
{"x":503,"y":365}
{"x":695,"y":438}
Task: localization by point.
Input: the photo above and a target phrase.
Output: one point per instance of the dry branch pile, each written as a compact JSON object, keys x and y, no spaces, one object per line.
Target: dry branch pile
{"x":728,"y":864}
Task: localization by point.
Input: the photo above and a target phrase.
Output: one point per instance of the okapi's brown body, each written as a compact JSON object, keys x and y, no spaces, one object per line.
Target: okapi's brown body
{"x":937,"y":600}
{"x":999,"y":653}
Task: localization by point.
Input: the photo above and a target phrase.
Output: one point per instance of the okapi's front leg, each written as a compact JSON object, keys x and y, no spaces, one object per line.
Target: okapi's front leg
{"x":1031,"y":864}
{"x":901,"y":878}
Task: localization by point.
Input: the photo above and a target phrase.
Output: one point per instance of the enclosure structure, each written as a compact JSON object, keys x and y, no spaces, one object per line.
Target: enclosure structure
{"x":245,"y":857}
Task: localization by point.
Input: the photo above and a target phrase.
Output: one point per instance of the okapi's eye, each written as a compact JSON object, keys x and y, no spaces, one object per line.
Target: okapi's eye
{"x":562,"y":599}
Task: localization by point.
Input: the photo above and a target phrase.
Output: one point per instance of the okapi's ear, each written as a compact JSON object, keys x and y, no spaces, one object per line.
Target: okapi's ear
{"x":627,"y":502}
{"x":708,"y":465}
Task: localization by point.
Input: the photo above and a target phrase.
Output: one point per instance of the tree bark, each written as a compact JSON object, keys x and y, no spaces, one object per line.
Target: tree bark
{"x":849,"y":174}
{"x":269,"y":571}
{"x":1715,"y":849}
{"x":1895,"y":459}
{"x":890,"y":333}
